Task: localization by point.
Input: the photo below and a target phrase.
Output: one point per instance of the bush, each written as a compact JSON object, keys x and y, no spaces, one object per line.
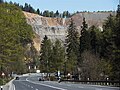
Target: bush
{"x":52,"y":78}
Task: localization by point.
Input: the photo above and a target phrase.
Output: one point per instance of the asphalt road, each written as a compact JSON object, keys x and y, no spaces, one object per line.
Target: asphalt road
{"x":32,"y":83}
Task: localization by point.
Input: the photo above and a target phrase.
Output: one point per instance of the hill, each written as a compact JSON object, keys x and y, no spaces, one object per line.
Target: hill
{"x":15,"y":34}
{"x":56,"y":28}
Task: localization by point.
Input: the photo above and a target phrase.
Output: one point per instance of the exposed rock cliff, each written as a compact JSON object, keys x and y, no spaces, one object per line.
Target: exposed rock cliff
{"x":57,"y":27}
{"x":92,"y":18}
{"x":54,"y":28}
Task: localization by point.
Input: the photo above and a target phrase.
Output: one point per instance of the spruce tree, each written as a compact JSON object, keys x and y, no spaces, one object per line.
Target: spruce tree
{"x":46,"y":51}
{"x":110,"y":44}
{"x":57,"y":14}
{"x":116,"y":52}
{"x":51,"y":14}
{"x":85,"y":37}
{"x":38,"y":11}
{"x":94,"y":39}
{"x":72,"y":42}
{"x":58,"y":56}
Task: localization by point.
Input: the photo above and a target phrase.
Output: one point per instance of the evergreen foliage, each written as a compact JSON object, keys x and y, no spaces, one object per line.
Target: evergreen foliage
{"x":46,"y":53}
{"x":85,"y":37}
{"x":96,"y":52}
{"x":95,"y":35}
{"x":38,"y":11}
{"x":15,"y":35}
{"x":52,"y":56}
{"x":58,"y":56}
{"x":72,"y":42}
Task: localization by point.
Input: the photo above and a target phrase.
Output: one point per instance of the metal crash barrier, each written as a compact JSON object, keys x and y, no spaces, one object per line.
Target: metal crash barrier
{"x":106,"y":83}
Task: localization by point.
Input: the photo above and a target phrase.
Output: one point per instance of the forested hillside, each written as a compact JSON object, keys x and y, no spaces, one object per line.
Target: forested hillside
{"x":92,"y":53}
{"x":15,"y":34}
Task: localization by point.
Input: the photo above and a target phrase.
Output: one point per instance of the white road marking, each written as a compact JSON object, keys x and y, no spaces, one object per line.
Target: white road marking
{"x":68,"y":85}
{"x":98,"y":89}
{"x":80,"y":87}
{"x":31,"y":87}
{"x":52,"y":86}
{"x":13,"y":86}
{"x":46,"y":85}
{"x":36,"y":89}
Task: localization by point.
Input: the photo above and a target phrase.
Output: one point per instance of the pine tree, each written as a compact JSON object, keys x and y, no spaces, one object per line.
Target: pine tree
{"x":72,"y":43}
{"x":67,"y":14}
{"x":64,"y":14}
{"x":38,"y":11}
{"x":26,"y":7}
{"x":110,"y":44}
{"x":46,"y":51}
{"x":85,"y":37}
{"x":107,"y":38}
{"x":46,"y":13}
{"x":94,"y":39}
{"x":15,"y":35}
{"x":57,"y":13}
{"x":51,"y":14}
{"x":58,"y":56}
{"x":117,"y":31}
{"x":116,"y":52}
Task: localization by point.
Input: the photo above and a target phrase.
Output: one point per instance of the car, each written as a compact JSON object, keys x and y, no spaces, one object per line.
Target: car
{"x":41,"y":79}
{"x":16,"y":78}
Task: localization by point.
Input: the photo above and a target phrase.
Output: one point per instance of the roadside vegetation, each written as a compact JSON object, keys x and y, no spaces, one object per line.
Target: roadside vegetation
{"x":15,"y":34}
{"x":92,"y":53}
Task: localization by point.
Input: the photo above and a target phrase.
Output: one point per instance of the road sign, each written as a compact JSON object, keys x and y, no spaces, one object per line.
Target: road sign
{"x":58,"y":73}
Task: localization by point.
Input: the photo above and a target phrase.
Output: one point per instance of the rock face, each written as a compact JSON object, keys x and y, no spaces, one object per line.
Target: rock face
{"x":92,"y":18}
{"x":56,"y":28}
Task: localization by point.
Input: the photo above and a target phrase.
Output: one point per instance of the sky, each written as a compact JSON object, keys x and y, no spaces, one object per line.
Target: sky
{"x":71,"y":5}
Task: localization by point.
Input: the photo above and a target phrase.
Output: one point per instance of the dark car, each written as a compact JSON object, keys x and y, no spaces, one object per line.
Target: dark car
{"x":41,"y":79}
{"x":16,"y":78}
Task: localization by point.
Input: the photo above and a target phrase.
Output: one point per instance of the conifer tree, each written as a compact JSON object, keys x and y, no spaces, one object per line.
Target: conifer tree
{"x":38,"y":11}
{"x":94,"y":39}
{"x":72,"y":42}
{"x":51,"y":14}
{"x":58,"y":56}
{"x":84,"y":38}
{"x":46,"y":51}
{"x":57,"y":14}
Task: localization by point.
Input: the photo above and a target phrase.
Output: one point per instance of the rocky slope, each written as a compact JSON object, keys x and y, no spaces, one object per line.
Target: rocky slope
{"x":56,"y":28}
{"x":92,"y":18}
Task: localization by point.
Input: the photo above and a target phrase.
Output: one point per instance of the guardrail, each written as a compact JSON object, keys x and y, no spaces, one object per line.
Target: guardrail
{"x":106,"y":83}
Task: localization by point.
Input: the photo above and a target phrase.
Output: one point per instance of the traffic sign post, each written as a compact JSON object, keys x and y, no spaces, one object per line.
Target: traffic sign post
{"x":58,"y":73}
{"x":1,"y":87}
{"x":3,"y":74}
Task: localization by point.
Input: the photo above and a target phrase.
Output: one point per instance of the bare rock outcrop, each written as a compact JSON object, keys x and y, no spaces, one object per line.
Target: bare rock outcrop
{"x":56,"y":28}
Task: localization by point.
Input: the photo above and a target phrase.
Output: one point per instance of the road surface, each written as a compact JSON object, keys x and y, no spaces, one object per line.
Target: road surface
{"x":32,"y":83}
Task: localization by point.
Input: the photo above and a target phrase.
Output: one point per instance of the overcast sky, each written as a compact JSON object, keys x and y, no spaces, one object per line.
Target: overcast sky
{"x":71,"y":5}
